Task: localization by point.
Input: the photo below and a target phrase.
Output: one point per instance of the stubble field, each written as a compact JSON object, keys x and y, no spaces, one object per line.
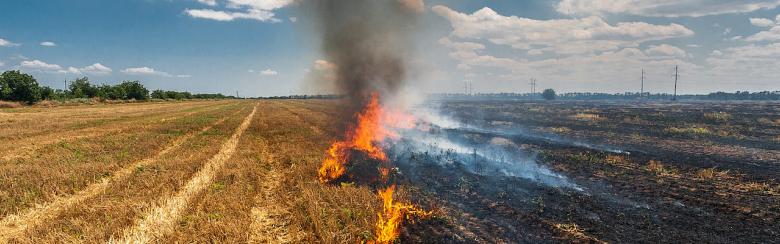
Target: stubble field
{"x":246,"y":171}
{"x":224,"y":171}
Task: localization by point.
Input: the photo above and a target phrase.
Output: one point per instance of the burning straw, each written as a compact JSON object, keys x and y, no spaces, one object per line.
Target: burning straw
{"x":368,"y":42}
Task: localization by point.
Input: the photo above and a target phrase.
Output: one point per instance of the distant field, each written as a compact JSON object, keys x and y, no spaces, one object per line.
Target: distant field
{"x":238,"y":171}
{"x":179,"y":171}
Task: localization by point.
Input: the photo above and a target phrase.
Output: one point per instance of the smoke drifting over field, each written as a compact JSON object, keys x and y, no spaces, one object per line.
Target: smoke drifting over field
{"x":368,"y":42}
{"x":446,"y":141}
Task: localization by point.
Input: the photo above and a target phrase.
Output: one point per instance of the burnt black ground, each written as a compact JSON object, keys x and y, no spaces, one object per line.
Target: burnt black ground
{"x":621,"y":202}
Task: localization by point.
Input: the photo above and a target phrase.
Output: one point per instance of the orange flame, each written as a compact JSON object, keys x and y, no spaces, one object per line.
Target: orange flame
{"x":389,"y":220}
{"x":373,"y":127}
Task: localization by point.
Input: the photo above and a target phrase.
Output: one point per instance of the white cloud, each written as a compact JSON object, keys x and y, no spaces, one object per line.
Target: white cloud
{"x":663,"y":8}
{"x":70,"y":70}
{"x":48,"y":44}
{"x":717,"y":53}
{"x":324,"y":65}
{"x":561,"y":36}
{"x":578,"y":54}
{"x":761,"y":22}
{"x":2,"y":64}
{"x":293,"y":19}
{"x":269,"y":72}
{"x":40,"y":65}
{"x":769,"y":35}
{"x":665,"y":50}
{"x":260,"y":10}
{"x":144,"y":71}
{"x":535,"y":52}
{"x":259,"y":4}
{"x":183,"y":76}
{"x":208,"y":2}
{"x":726,"y":31}
{"x":754,"y":63}
{"x":96,"y":69}
{"x":260,"y":15}
{"x":7,"y":43}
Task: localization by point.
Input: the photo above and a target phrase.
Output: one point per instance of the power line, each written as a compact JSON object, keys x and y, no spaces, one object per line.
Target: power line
{"x":676,"y":76}
{"x":642,"y":89}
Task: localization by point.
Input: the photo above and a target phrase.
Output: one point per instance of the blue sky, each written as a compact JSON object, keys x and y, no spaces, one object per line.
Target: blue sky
{"x":263,"y":47}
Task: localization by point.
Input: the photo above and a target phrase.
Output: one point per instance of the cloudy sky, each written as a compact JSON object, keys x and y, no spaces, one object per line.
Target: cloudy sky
{"x":264,"y":47}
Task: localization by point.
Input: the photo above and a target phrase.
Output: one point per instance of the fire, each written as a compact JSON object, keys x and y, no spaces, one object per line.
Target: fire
{"x":374,"y":125}
{"x":389,"y":220}
{"x":372,"y":128}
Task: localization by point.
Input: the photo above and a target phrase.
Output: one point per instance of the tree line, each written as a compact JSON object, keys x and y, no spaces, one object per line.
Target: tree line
{"x":21,"y":87}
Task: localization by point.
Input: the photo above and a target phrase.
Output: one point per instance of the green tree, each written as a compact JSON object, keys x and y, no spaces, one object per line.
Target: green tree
{"x":548,"y":94}
{"x":18,"y":86}
{"x":135,"y":90}
{"x":116,"y":92}
{"x":81,"y":88}
{"x":47,"y":93}
{"x":158,"y":94}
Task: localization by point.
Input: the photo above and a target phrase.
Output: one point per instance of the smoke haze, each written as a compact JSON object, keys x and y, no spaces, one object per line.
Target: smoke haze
{"x":367,"y":41}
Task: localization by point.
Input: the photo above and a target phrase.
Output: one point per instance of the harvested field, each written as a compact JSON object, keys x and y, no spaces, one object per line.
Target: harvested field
{"x":245,"y":171}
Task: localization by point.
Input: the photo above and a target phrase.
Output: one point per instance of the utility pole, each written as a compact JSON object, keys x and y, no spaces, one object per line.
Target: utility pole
{"x":66,"y":85}
{"x":533,"y":86}
{"x":676,"y":76}
{"x":237,"y":94}
{"x":642,"y":89}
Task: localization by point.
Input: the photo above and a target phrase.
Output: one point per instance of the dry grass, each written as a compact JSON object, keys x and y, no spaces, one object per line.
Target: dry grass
{"x":617,"y":160}
{"x":113,"y":209}
{"x":587,"y":117}
{"x":693,"y":130}
{"x":577,"y":233}
{"x":660,"y":169}
{"x":757,"y":187}
{"x":329,"y":214}
{"x":14,"y":225}
{"x":718,"y":116}
{"x":160,"y":220}
{"x":711,"y":173}
{"x":31,"y":128}
{"x":560,"y":130}
{"x":266,"y":192}
{"x":5,"y":104}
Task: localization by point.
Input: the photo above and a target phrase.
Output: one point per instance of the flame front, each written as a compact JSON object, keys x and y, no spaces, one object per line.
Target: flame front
{"x":371,"y":129}
{"x":389,"y":220}
{"x":374,"y":125}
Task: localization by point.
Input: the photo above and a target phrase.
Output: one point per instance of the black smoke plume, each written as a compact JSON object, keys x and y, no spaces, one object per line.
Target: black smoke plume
{"x":368,"y":41}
